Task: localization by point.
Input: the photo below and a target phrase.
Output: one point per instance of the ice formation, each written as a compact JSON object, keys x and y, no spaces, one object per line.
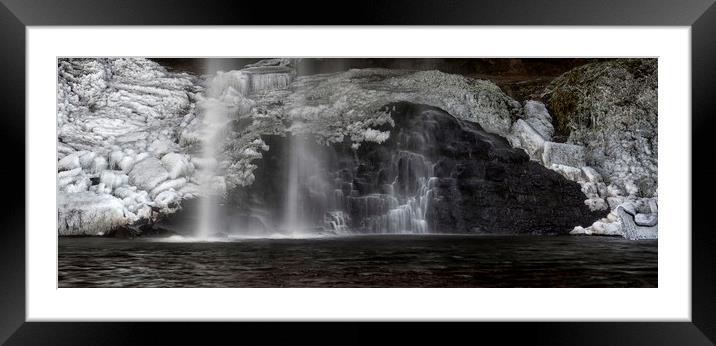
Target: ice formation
{"x":118,"y":154}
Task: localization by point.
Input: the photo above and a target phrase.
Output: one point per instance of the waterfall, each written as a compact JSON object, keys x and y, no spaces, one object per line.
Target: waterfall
{"x":312,"y":201}
{"x":225,"y":98}
{"x":270,"y":79}
{"x":401,"y":218}
{"x":292,"y":215}
{"x":256,"y":79}
{"x":336,"y":220}
{"x":402,"y":209}
{"x":308,"y":191}
{"x":216,"y":116}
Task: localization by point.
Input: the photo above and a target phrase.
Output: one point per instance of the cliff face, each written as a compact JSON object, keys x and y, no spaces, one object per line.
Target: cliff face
{"x":363,"y":150}
{"x":434,"y":173}
{"x":481,"y":183}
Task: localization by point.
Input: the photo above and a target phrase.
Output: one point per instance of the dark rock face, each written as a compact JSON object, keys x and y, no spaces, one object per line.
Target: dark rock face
{"x":435,"y":173}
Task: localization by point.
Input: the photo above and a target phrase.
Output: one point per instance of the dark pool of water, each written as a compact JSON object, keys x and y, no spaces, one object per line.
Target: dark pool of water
{"x":361,"y":261}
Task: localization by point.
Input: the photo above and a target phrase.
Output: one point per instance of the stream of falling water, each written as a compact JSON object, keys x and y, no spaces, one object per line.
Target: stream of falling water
{"x":306,"y":188}
{"x":219,"y":107}
{"x":291,"y":220}
{"x":215,"y":117}
{"x":402,"y":210}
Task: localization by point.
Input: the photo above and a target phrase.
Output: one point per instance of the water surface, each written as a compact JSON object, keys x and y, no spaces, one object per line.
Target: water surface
{"x":361,"y":261}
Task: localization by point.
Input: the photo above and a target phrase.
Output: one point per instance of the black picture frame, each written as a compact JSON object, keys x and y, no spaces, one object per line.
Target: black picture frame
{"x":15,"y":15}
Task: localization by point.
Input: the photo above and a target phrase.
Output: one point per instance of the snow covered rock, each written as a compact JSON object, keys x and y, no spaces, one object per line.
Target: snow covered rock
{"x":102,"y":102}
{"x":596,"y":204}
{"x":527,"y":138}
{"x":177,"y":165}
{"x":568,"y":172}
{"x":167,"y":201}
{"x":99,"y":164}
{"x":646,"y":220}
{"x":355,"y":97}
{"x":113,"y":179}
{"x":74,"y":180}
{"x":174,"y":184}
{"x":599,"y":228}
{"x":633,"y":219}
{"x":69,"y":162}
{"x":88,"y":213}
{"x":116,"y":117}
{"x":591,"y":175}
{"x":162,"y":146}
{"x":536,"y":115}
{"x":148,"y":173}
{"x":634,"y":231}
{"x":190,"y":190}
{"x":563,"y":154}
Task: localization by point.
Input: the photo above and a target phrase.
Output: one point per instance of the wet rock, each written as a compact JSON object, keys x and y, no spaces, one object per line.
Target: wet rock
{"x":463,"y":178}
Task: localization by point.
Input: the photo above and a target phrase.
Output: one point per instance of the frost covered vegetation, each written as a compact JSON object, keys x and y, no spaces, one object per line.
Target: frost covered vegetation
{"x":130,"y":132}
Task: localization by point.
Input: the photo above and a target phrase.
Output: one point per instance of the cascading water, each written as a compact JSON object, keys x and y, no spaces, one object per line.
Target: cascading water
{"x":336,"y":220}
{"x":255,"y":79}
{"x":306,"y":200}
{"x":410,"y":217}
{"x":216,"y":116}
{"x":403,"y":206}
{"x":292,"y":216}
{"x":225,"y":99}
{"x":314,"y":201}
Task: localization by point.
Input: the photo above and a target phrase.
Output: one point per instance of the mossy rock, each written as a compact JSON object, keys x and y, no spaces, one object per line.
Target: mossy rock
{"x":569,"y":97}
{"x":611,"y":108}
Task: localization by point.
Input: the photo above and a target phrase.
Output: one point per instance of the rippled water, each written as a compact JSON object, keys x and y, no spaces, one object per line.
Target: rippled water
{"x":361,"y":261}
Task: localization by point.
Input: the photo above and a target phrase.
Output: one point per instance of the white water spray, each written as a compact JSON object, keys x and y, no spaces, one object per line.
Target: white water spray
{"x":224,"y":100}
{"x":216,"y":118}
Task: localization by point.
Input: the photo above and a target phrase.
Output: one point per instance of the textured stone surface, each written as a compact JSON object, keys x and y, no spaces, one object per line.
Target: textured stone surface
{"x":481,"y":184}
{"x":563,"y":154}
{"x":536,"y":115}
{"x":611,"y":109}
{"x":634,"y":231}
{"x":527,"y":138}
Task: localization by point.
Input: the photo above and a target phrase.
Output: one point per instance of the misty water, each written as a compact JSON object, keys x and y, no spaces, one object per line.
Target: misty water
{"x":360,"y":261}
